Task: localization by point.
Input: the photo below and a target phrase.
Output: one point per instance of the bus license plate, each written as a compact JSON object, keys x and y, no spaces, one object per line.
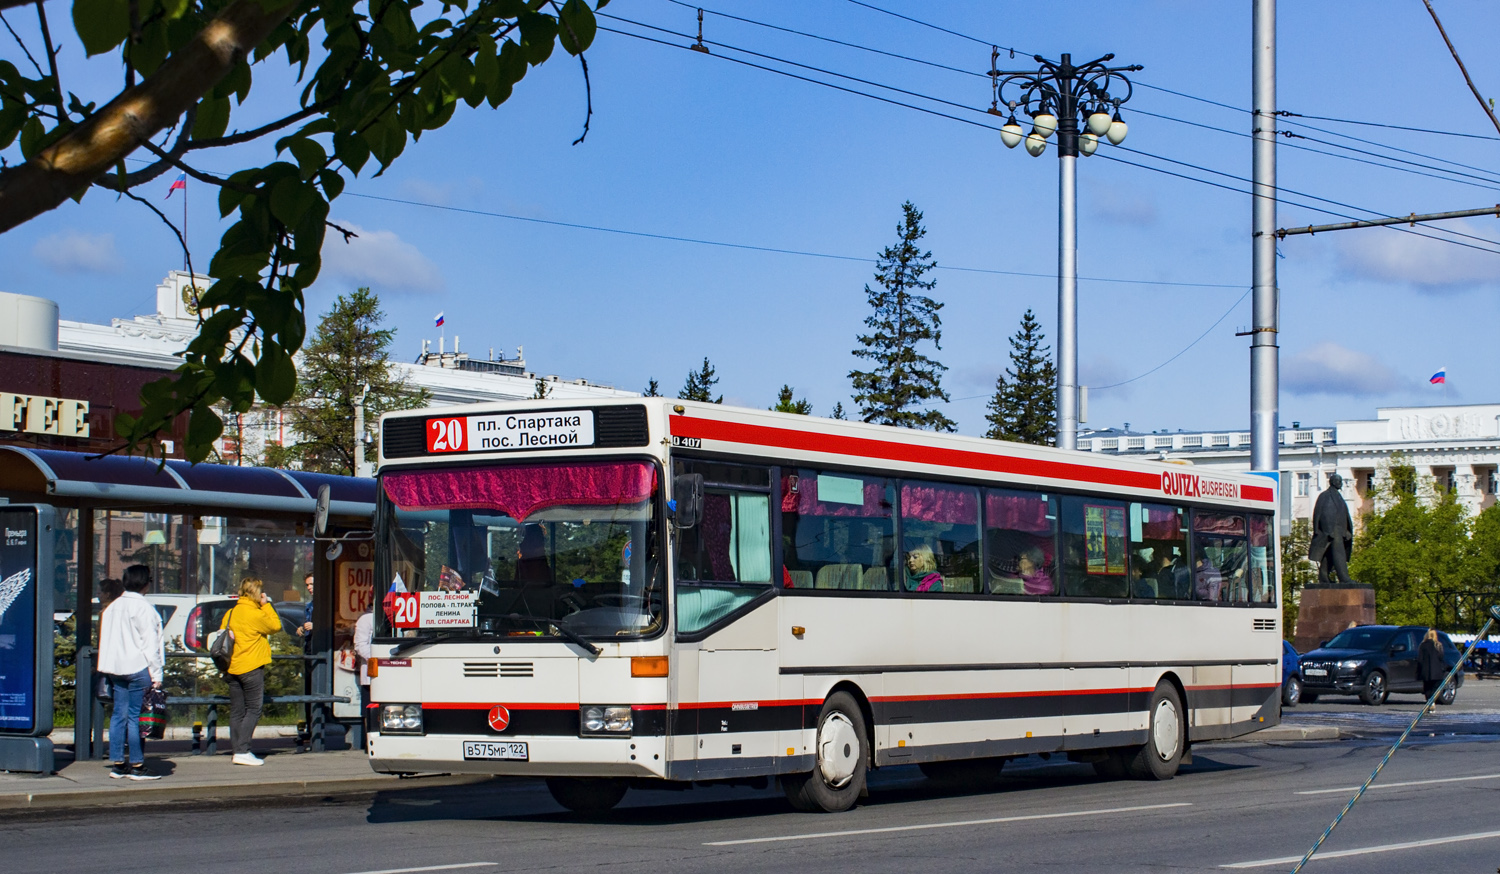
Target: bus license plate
{"x":488,"y":749}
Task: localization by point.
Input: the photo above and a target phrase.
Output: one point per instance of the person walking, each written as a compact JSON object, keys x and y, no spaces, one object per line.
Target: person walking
{"x":131,"y":655}
{"x":252,"y":620}
{"x":1432,"y":667}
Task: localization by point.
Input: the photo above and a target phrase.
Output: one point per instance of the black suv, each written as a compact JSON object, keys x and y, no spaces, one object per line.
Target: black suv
{"x":1372,"y":661}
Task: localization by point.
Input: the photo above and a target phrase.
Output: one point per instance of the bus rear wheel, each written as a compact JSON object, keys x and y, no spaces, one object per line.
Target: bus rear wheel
{"x":586,"y":794}
{"x":842,"y":757}
{"x":1166,"y":735}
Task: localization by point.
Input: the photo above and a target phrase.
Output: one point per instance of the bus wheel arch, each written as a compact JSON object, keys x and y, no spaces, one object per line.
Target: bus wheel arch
{"x":866,"y":709}
{"x":837,"y":779}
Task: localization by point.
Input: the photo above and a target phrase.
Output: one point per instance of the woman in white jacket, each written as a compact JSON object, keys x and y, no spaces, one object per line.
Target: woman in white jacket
{"x":130,"y":652}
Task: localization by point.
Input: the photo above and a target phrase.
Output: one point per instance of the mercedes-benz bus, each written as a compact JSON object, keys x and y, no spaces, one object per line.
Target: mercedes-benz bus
{"x":652,"y":592}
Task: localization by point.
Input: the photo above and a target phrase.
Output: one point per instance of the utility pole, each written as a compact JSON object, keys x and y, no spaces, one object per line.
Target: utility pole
{"x":1264,"y":366}
{"x":361,"y":466}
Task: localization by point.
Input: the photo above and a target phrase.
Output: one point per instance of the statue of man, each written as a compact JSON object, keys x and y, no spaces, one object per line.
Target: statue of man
{"x":1333,"y":533}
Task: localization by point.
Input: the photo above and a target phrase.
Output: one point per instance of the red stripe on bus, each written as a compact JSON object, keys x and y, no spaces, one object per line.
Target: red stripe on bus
{"x":475,"y":705}
{"x":720,"y":705}
{"x":1234,"y":686}
{"x":1257,"y":493}
{"x":866,"y":447}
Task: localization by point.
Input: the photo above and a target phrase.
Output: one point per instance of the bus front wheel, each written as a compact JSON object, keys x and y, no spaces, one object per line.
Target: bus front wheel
{"x":842,"y":757}
{"x":586,"y":794}
{"x":1166,"y":736}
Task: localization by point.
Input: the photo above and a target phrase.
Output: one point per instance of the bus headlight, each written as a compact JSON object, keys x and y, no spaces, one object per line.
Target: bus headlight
{"x":605,"y":719}
{"x":401,"y":718}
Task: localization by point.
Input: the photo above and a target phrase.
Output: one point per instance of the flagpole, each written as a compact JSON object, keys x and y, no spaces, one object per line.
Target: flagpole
{"x":187,"y":262}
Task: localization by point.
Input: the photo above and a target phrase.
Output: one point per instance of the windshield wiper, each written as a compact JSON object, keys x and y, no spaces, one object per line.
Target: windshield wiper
{"x":570,"y":635}
{"x":414,"y":642}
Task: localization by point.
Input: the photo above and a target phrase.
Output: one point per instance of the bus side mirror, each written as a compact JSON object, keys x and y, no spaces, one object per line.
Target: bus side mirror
{"x":687,"y":500}
{"x":320,"y":515}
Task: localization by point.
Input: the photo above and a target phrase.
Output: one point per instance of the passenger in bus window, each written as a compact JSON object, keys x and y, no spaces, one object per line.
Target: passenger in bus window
{"x":1035,"y":580}
{"x":1207,"y":581}
{"x":921,"y":571}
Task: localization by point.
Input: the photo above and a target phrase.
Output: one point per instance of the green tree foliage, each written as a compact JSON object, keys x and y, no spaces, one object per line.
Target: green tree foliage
{"x":371,"y":77}
{"x":541,"y":389}
{"x":785,"y":404}
{"x":700,"y":385}
{"x":1296,"y":571}
{"x":838,"y":411}
{"x":1024,"y":407}
{"x":902,"y":378}
{"x":1416,"y":549}
{"x":652,"y":390}
{"x":349,"y":351}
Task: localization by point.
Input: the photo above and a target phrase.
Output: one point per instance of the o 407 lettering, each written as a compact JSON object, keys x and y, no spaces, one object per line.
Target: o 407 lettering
{"x":687,"y":442}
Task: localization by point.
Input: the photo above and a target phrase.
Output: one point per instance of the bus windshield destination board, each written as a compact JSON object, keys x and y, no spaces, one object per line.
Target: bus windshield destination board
{"x":562,"y":429}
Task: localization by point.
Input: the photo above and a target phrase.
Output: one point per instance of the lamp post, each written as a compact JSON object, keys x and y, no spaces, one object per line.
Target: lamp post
{"x":1076,"y":103}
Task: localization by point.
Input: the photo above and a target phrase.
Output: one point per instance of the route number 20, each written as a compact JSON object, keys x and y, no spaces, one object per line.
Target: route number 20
{"x":404,"y":610}
{"x":446,"y":435}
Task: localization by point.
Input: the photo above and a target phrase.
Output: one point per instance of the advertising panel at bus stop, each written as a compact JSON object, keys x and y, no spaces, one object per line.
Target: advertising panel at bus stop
{"x":25,"y":620}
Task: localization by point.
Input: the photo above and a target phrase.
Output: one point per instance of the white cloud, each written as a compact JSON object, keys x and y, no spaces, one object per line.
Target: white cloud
{"x":1390,"y":256}
{"x":381,"y":260}
{"x":76,"y":252}
{"x":1330,"y":369}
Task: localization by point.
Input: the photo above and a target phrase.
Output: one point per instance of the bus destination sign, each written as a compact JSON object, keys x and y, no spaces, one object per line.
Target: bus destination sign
{"x":509,"y":432}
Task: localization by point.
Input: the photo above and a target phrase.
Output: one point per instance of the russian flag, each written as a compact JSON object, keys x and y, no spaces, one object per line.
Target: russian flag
{"x":179,"y":182}
{"x":438,"y":321}
{"x":1439,"y":378}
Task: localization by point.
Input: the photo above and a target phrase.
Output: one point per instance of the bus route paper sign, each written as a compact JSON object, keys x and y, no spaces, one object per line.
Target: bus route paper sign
{"x":18,"y":619}
{"x":505,"y":432}
{"x":446,"y":609}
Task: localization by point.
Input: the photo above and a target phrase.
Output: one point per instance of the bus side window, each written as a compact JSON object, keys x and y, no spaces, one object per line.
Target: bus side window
{"x":1159,"y":553}
{"x":838,"y":531}
{"x":940,"y":534}
{"x":1220,"y":557}
{"x":1262,"y":562}
{"x":1094,"y":548}
{"x":1020,"y":542}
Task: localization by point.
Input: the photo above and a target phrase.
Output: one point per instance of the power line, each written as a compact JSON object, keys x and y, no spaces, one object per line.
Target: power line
{"x":1420,"y":130}
{"x":770,"y":249}
{"x":1184,"y":350}
{"x":984,"y":42}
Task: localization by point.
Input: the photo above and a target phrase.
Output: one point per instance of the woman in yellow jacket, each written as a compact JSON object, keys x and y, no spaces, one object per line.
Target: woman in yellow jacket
{"x":252,"y":621}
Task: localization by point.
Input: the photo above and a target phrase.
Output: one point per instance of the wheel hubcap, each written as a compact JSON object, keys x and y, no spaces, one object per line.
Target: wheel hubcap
{"x":838,"y":750}
{"x":1165,"y":730}
{"x":1377,"y":686}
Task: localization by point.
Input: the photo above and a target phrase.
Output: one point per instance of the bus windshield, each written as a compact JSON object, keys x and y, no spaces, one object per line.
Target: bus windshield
{"x":520,"y":551}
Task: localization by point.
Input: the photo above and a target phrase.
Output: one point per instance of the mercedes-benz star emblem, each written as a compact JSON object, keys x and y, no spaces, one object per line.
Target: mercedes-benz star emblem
{"x":499,"y":717}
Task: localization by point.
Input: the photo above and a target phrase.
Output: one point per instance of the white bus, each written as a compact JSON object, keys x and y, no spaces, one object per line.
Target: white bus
{"x":654,"y":592}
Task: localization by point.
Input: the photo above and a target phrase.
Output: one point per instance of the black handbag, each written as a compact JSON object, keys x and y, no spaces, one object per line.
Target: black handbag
{"x":104,"y":689}
{"x":221,"y":646}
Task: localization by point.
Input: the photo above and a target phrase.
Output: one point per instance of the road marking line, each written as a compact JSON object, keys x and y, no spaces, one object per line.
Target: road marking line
{"x":1383,"y":848}
{"x":1398,"y":785}
{"x":431,"y":868}
{"x":933,"y":825}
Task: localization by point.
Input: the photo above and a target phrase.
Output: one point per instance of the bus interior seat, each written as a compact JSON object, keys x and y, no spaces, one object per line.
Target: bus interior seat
{"x":958,"y":584}
{"x":838,"y":576}
{"x":875,"y":579}
{"x":801,"y":579}
{"x":1007,"y":585}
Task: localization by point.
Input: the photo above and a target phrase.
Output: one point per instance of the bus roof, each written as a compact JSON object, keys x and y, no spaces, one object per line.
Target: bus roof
{"x":536,"y":429}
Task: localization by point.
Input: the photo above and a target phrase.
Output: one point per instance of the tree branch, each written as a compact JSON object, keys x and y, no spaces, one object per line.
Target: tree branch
{"x":1461,"y":68}
{"x":24,"y":49}
{"x":246,"y":136}
{"x":130,"y":120}
{"x":181,"y":240}
{"x":146,"y":174}
{"x":41,"y":16}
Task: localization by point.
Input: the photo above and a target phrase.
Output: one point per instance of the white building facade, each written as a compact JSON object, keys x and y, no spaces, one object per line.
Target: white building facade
{"x":1452,"y":446}
{"x":156,"y":340}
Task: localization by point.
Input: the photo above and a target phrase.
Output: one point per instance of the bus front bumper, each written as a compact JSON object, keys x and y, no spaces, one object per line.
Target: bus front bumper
{"x":546,"y":755}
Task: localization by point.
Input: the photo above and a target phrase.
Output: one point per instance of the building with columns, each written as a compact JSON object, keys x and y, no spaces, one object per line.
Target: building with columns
{"x":1453,"y":446}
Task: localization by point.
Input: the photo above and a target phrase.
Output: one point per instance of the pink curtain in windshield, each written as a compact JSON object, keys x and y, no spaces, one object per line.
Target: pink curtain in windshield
{"x":954,"y":505}
{"x":522,"y":490}
{"x":1160,"y":524}
{"x":1016,"y":511}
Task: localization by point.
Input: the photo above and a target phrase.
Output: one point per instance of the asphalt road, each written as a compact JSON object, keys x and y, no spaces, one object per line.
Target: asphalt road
{"x":1241,"y":804}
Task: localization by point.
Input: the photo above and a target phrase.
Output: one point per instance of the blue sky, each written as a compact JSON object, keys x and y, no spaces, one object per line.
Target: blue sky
{"x":691,"y":145}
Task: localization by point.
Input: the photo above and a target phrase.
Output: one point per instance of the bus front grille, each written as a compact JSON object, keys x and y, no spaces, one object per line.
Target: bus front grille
{"x":498,"y":669}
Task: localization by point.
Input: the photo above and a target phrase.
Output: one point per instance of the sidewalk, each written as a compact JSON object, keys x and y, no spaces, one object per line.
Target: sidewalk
{"x":187,"y":777}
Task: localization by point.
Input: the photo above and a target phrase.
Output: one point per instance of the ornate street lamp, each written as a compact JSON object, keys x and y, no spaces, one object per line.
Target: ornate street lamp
{"x":1081,"y":104}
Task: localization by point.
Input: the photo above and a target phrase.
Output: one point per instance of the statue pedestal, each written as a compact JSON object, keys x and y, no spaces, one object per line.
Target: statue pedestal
{"x":1324,"y":611}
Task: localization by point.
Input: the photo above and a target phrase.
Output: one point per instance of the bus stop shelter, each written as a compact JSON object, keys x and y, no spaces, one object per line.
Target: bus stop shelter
{"x":200,"y":528}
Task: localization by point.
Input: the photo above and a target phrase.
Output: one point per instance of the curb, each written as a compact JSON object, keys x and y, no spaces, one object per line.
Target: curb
{"x":161,"y":794}
{"x":1294,"y":732}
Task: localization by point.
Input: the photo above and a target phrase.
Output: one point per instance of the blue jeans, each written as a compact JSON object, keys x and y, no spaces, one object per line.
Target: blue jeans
{"x":126,"y":720}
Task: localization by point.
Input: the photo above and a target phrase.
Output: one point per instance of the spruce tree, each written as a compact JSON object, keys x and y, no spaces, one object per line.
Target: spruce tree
{"x":1024,"y":408}
{"x":902,"y":378}
{"x":838,"y":411}
{"x":541,"y":389}
{"x":700,"y":385}
{"x":652,"y":389}
{"x":349,"y":351}
{"x":785,"y":404}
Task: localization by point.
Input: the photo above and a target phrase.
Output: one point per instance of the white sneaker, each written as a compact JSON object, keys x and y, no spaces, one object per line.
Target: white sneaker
{"x":248,"y":759}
